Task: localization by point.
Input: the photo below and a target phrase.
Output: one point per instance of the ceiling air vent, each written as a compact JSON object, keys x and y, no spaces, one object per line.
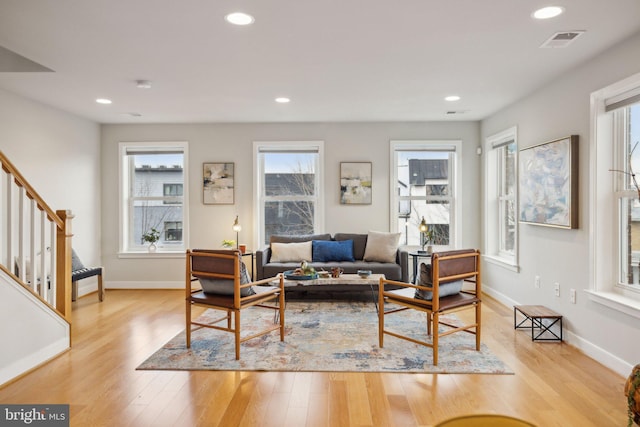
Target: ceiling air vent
{"x":561,"y":39}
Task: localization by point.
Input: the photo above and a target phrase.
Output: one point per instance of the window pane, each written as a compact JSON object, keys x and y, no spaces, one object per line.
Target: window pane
{"x":424,"y":190}
{"x":289,"y":184}
{"x":154,"y":214}
{"x":290,"y":173}
{"x":436,"y":215}
{"x":153,"y":194}
{"x":633,"y":143}
{"x":630,"y":206}
{"x":173,"y":231}
{"x":509,"y":172}
{"x":420,"y":169}
{"x":152,"y":171}
{"x":630,"y":241}
{"x":288,"y":217}
{"x":290,"y":193}
{"x":507,"y":226}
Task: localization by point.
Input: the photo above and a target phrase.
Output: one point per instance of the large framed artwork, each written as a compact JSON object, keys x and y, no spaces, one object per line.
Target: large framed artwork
{"x":549,"y":183}
{"x":218,"y":183}
{"x":355,"y":183}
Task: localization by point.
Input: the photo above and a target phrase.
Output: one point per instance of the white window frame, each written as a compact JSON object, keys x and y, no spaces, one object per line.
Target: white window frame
{"x":604,"y":286}
{"x":455,"y":168}
{"x":258,"y":179}
{"x":494,"y":216}
{"x":124,"y":173}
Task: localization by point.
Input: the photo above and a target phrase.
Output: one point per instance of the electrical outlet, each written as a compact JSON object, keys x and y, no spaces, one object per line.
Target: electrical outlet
{"x":537,"y":282}
{"x":557,"y":288}
{"x":572,"y":296}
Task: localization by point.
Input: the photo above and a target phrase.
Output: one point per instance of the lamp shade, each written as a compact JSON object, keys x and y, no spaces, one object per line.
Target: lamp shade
{"x":236,"y":226}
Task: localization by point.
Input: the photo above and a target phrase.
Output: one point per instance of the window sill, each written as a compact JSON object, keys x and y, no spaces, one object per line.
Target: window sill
{"x":502,"y":263}
{"x":616,"y":301}
{"x":152,"y":255}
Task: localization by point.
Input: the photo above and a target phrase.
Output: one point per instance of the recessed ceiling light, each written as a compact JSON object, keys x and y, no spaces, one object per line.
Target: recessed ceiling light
{"x":282,"y":100}
{"x":103,"y":101}
{"x":239,"y":18}
{"x":548,"y":12}
{"x":452,"y":98}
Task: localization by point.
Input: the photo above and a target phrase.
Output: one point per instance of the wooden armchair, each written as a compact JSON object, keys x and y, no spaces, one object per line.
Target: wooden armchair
{"x":446,"y":272}
{"x":227,"y":287}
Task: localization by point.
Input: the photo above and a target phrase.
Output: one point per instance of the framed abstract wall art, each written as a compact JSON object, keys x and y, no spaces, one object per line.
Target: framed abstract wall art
{"x":549,"y":183}
{"x":355,"y":183}
{"x":218,"y":183}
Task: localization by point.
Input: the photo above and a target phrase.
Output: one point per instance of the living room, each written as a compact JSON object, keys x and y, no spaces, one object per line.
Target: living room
{"x":82,"y":155}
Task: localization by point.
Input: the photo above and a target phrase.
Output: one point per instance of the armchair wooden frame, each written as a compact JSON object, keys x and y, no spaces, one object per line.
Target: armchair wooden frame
{"x":445,"y":267}
{"x":226,"y":265}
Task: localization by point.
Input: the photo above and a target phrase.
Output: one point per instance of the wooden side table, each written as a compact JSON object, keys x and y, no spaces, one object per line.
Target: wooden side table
{"x":535,"y":314}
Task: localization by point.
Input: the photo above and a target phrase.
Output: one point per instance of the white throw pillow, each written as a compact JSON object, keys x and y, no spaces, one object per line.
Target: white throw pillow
{"x":291,"y":252}
{"x":381,"y":247}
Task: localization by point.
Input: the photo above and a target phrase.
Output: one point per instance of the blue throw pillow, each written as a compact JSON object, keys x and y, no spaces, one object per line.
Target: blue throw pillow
{"x":329,"y":250}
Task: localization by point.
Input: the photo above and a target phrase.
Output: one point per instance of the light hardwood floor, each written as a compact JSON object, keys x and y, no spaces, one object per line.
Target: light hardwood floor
{"x":553,"y":385}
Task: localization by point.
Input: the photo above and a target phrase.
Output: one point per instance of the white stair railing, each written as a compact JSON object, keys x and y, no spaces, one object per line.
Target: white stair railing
{"x":37,"y":240}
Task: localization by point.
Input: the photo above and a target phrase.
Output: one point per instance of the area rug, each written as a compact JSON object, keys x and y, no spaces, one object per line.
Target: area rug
{"x":339,"y":336}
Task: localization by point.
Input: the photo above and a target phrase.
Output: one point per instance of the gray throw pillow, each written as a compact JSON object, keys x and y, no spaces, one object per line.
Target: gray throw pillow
{"x":225,"y":286}
{"x":76,"y":264}
{"x":444,"y":290}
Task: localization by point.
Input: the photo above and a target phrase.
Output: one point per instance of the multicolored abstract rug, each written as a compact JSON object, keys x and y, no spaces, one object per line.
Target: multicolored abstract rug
{"x":339,"y":336}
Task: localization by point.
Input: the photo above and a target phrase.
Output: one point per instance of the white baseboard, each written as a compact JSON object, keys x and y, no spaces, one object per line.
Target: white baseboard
{"x":144,"y":285}
{"x":598,"y":354}
{"x":35,"y":359}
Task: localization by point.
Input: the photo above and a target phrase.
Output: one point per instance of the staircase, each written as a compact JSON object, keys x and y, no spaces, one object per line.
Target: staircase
{"x":35,"y":276}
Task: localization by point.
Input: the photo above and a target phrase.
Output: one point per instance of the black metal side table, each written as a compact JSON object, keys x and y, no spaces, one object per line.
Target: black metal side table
{"x":417,"y":255}
{"x":252,"y":255}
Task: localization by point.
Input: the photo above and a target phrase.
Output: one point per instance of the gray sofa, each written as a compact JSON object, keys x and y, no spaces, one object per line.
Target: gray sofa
{"x":398,"y":270}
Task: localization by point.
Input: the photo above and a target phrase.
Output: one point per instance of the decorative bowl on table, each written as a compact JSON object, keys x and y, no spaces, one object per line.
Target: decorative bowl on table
{"x":324,"y":274}
{"x":364,"y":273}
{"x":293,"y":275}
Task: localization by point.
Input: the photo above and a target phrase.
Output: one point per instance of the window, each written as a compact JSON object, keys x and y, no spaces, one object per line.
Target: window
{"x":501,"y":230}
{"x":627,"y":137}
{"x":615,"y":205}
{"x":173,"y":231}
{"x":426,"y":177}
{"x":152,"y":193}
{"x":289,"y":196}
{"x":172,"y":190}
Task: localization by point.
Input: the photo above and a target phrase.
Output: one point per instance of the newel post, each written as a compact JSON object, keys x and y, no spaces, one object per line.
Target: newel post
{"x":63,"y":268}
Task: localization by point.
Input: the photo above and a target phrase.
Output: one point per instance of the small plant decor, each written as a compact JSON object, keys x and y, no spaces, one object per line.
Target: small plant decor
{"x":151,"y":236}
{"x":228,"y":243}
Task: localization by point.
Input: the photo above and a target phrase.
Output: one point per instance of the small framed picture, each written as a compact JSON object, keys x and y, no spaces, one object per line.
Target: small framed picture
{"x":355,"y":183}
{"x":218,"y":183}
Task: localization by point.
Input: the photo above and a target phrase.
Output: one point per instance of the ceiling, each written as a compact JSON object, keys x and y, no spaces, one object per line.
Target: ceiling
{"x":338,"y":60}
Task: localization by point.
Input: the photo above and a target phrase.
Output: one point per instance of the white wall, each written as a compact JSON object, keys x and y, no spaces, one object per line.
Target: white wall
{"x":31,"y":333}
{"x":557,"y":110}
{"x":210,"y":224}
{"x":58,"y":154}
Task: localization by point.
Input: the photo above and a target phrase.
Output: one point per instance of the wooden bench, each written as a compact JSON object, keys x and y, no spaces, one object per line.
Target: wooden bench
{"x":535,"y":314}
{"x":79,"y":272}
